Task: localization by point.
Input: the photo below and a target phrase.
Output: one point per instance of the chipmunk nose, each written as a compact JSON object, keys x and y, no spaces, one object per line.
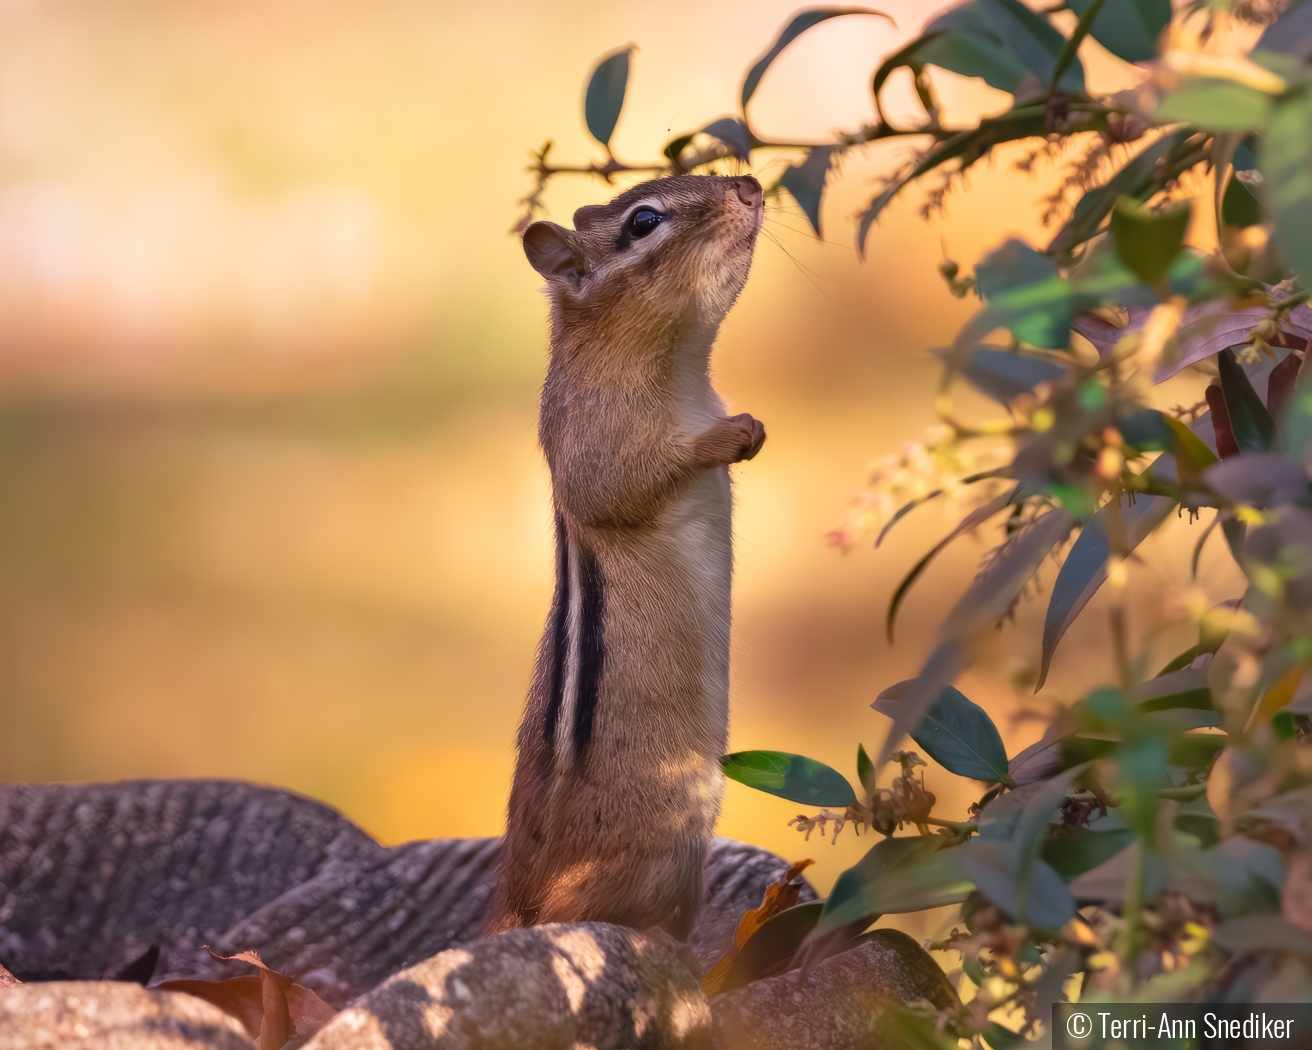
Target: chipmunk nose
{"x":749,"y":191}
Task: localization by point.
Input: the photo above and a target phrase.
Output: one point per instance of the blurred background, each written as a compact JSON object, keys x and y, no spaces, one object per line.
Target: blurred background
{"x":271,"y":504}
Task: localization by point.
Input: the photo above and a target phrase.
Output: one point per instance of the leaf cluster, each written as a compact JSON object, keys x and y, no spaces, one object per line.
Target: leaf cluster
{"x":1157,"y":840}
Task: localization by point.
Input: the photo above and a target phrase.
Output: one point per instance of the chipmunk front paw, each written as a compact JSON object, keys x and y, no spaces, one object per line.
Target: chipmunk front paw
{"x":731,"y":440}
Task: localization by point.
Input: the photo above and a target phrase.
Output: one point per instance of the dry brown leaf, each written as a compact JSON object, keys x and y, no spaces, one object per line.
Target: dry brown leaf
{"x":779,"y":896}
{"x":271,"y":1006}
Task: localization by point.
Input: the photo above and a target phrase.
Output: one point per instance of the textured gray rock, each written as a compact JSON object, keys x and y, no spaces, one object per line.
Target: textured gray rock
{"x":837,"y":1005}
{"x":103,"y":1015}
{"x":544,"y":988}
{"x":92,"y":875}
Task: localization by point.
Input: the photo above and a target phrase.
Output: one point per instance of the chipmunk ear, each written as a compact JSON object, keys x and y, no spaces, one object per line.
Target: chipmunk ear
{"x":552,"y":252}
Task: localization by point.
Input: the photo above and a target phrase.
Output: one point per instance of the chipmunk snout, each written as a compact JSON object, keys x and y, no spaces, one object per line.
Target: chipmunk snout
{"x":748,"y":190}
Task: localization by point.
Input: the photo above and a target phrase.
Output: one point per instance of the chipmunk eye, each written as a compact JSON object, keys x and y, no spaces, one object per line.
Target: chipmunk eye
{"x":643,"y":221}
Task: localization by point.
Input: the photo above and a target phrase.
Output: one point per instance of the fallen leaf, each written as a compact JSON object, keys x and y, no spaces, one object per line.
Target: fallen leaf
{"x":779,"y":897}
{"x":271,"y":1006}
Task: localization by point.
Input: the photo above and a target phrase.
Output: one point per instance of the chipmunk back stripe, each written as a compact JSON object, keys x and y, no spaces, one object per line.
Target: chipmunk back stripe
{"x":559,"y":636}
{"x":591,"y":649}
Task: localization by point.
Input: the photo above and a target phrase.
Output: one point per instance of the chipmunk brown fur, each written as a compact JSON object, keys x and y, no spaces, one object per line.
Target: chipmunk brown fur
{"x":618,"y":783}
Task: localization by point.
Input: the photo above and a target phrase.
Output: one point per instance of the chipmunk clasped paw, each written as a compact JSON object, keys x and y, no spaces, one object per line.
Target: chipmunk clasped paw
{"x":731,"y":440}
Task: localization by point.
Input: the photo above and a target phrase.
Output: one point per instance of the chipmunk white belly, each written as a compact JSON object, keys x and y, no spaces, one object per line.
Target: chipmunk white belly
{"x":703,"y":526}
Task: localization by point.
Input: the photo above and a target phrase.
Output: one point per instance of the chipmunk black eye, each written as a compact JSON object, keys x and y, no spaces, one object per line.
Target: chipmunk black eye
{"x":643,"y":221}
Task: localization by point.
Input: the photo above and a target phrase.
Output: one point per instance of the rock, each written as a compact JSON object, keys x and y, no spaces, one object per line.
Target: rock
{"x":107,"y":1015}
{"x":543,"y":988}
{"x":7,"y":979}
{"x":93,"y":875}
{"x":837,"y":1005}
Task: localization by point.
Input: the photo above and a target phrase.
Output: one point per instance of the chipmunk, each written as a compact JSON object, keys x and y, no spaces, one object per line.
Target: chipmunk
{"x":618,"y":783}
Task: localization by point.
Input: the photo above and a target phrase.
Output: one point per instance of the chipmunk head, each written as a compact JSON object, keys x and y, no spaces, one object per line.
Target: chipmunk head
{"x":671,"y":250}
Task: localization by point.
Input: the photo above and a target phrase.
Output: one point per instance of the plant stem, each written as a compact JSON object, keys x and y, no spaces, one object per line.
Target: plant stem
{"x":1187,"y":793}
{"x":967,"y":827}
{"x":1133,"y":910}
{"x":1116,"y":567}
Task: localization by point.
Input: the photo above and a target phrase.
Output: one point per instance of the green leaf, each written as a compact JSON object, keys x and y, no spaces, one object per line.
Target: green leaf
{"x":676,"y":146}
{"x":1078,"y":850}
{"x":1146,"y":429}
{"x":1264,"y":932}
{"x":865,"y":769}
{"x":806,"y":182}
{"x":904,"y":510}
{"x":1037,"y":314}
{"x":957,"y":734}
{"x":1218,"y":105}
{"x":971,"y":521}
{"x":974,"y":55}
{"x":967,"y":147}
{"x":1237,"y":874}
{"x":789,"y":776}
{"x":999,"y":1037}
{"x":1191,"y":446}
{"x":1181,"y":661}
{"x":897,"y":875}
{"x":1137,"y":179}
{"x":1128,"y":28}
{"x":1197,"y":818}
{"x":605,"y":95}
{"x":1235,"y":532}
{"x":1147,"y":242}
{"x":961,"y":737}
{"x":907,"y":1030}
{"x":1084,"y":569}
{"x":1004,"y":375}
{"x":987,"y":599}
{"x":1286,"y":153}
{"x":1181,"y":688}
{"x":1245,"y":158}
{"x":1014,"y":265}
{"x":1005,"y":862}
{"x":1298,"y":423}
{"x":733,"y":133}
{"x":800,"y":23}
{"x":1254,"y":429}
{"x":1033,"y":40}
{"x":962,"y":42}
{"x":996,"y":871}
{"x":1239,"y":207}
{"x":1021,"y":816}
{"x":1195,"y":751}
{"x":1142,"y":773}
{"x":1023,"y":293}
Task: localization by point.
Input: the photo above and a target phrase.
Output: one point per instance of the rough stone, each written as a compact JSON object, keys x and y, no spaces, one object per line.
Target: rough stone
{"x":545,"y":988}
{"x":107,"y":1015}
{"x":837,"y":1005}
{"x":93,"y":875}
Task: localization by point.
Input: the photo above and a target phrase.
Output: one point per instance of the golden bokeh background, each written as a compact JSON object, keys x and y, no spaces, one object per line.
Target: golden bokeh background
{"x":270,"y":501}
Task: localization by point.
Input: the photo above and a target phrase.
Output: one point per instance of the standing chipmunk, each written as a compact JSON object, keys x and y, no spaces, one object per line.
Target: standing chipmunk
{"x":618,"y":782}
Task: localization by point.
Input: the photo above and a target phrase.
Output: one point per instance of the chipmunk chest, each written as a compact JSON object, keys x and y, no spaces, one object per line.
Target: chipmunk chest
{"x":696,"y":404}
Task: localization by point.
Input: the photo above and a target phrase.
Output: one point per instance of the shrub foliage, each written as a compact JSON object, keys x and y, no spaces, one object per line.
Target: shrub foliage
{"x":1154,"y":844}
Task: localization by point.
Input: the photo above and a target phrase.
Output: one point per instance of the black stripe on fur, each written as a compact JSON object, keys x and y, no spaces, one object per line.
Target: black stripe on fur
{"x":592,"y":650}
{"x":559,"y":636}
